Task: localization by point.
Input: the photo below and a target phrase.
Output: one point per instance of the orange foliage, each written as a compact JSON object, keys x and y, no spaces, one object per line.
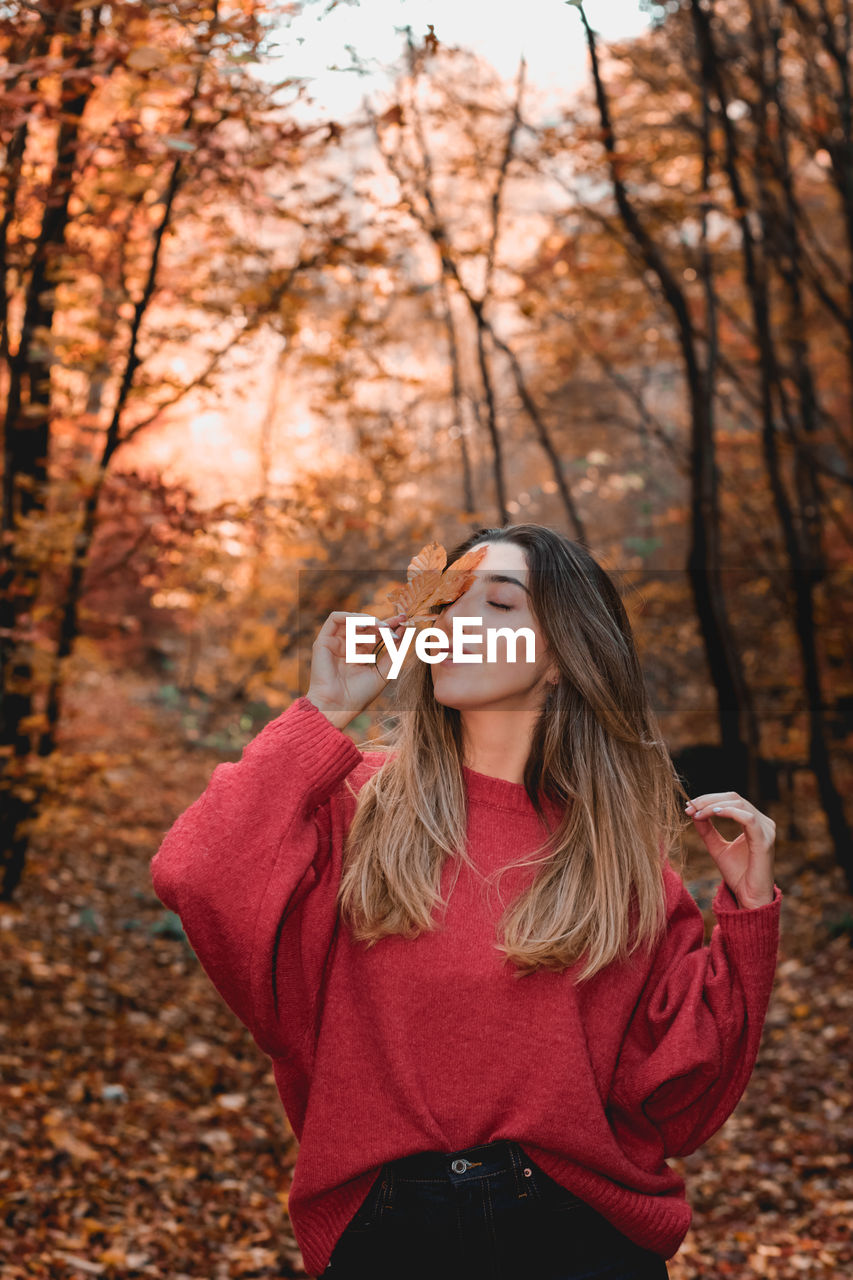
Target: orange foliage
{"x":428,"y":584}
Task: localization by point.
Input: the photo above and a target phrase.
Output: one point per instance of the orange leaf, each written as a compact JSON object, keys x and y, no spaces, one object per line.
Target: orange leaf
{"x":432,"y":556}
{"x":428,"y":586}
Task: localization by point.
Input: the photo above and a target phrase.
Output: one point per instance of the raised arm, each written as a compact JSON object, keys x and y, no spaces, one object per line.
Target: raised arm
{"x":256,"y":819}
{"x":693,"y":1039}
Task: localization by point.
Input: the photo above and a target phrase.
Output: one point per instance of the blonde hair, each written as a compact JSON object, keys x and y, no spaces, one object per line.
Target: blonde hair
{"x":596,"y":750}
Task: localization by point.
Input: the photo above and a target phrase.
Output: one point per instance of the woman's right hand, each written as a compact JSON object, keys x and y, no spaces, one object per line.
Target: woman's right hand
{"x":341,"y":689}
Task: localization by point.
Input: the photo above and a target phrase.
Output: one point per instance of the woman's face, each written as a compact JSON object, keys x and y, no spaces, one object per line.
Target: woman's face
{"x":502,"y":683}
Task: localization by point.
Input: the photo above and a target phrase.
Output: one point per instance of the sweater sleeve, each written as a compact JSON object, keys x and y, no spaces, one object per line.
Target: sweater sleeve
{"x":693,"y":1038}
{"x":255,"y":820}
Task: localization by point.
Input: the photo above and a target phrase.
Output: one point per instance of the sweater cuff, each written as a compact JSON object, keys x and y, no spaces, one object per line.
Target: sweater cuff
{"x":320,"y":750}
{"x":755,"y":929}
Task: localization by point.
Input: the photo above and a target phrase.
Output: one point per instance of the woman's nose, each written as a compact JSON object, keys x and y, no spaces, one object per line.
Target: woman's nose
{"x":459,"y":608}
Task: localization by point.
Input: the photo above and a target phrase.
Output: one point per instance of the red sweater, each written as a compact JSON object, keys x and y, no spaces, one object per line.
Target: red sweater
{"x":430,"y":1043}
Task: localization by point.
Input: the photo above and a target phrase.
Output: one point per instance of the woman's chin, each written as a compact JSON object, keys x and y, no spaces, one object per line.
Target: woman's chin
{"x":451,"y":687}
{"x":455,"y":688}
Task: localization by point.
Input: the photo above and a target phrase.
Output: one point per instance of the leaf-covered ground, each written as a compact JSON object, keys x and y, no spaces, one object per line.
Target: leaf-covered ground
{"x":142,"y":1134}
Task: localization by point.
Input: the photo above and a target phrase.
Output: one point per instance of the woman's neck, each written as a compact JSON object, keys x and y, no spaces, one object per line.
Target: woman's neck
{"x":497,"y":742}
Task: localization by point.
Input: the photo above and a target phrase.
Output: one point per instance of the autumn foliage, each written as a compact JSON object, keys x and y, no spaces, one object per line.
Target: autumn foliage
{"x":249,"y":358}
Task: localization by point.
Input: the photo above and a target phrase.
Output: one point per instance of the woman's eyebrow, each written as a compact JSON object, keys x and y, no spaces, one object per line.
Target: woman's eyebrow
{"x":502,"y":577}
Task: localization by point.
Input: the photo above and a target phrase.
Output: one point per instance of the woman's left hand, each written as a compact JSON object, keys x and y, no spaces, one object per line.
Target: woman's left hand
{"x":745,"y":863}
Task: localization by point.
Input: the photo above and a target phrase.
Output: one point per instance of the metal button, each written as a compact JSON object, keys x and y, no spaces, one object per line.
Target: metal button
{"x":459,"y":1166}
{"x":527,"y":1172}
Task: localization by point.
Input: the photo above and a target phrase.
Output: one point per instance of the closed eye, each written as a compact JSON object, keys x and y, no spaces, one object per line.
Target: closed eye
{"x":498,"y":606}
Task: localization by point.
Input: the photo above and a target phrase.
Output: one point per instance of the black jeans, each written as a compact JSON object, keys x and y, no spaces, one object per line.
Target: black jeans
{"x":482,"y":1213}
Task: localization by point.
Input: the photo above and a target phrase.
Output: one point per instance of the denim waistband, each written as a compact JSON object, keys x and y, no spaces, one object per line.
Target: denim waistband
{"x":503,"y":1154}
{"x":468,"y":1164}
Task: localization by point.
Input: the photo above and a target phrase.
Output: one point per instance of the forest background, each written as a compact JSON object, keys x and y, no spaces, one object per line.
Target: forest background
{"x":253,"y":357}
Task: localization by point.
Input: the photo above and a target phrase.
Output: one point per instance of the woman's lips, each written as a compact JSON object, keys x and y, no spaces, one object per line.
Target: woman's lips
{"x":447,"y":660}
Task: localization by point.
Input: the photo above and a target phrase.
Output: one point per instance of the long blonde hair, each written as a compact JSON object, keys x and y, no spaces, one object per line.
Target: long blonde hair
{"x":596,"y":750}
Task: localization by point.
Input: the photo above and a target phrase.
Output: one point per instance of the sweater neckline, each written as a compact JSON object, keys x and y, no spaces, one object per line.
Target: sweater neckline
{"x":500,"y":792}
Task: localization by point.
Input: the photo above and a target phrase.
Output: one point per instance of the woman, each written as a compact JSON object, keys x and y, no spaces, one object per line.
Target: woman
{"x":452,"y":1119}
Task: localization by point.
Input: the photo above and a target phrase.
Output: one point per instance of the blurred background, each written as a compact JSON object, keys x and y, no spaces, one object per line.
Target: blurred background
{"x":291,"y":289}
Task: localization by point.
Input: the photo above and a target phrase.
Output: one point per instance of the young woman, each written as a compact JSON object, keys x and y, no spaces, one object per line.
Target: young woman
{"x":482,"y":1092}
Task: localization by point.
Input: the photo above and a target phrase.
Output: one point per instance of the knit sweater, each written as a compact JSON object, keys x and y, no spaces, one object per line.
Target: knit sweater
{"x":430,"y":1043}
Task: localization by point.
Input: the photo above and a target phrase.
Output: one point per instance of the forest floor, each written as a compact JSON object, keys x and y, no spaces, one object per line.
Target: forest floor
{"x":142,"y":1132}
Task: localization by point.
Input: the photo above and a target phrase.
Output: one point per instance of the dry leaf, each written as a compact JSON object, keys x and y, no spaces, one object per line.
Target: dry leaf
{"x":432,"y":556}
{"x":429,"y":584}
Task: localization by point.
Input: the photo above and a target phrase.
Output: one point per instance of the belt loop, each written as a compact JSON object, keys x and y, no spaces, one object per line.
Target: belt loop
{"x":522,"y":1184}
{"x":387,"y":1175}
